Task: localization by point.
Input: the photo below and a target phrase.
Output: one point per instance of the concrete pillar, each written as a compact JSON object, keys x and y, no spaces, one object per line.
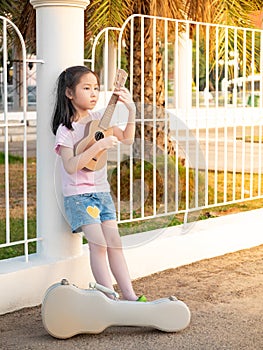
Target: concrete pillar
{"x":111,"y":64}
{"x":60,"y":43}
{"x":185,"y":73}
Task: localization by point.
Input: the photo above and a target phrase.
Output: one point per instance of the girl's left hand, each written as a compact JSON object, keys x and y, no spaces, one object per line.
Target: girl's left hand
{"x":125,"y":97}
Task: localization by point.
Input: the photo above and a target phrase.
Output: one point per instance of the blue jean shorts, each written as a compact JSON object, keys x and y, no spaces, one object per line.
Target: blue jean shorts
{"x":89,"y":208}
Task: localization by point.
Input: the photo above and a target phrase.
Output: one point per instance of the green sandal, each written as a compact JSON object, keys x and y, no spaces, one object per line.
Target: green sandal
{"x":142,"y":298}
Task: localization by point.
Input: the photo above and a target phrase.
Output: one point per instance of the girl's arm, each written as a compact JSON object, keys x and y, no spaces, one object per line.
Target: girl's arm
{"x":127,"y":135}
{"x":74,"y":163}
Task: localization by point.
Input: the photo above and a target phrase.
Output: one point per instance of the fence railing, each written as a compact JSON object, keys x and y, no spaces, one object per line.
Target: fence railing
{"x":195,"y":85}
{"x":9,"y":236}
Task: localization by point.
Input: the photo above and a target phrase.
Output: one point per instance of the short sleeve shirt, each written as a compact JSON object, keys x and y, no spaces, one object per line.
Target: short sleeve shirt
{"x":82,"y":181}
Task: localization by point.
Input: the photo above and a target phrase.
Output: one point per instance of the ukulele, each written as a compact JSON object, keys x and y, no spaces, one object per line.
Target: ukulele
{"x":98,"y":129}
{"x":68,"y":310}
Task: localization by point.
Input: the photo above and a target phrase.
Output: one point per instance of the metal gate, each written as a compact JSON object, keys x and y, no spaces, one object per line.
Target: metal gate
{"x":14,"y":232}
{"x":210,"y":108}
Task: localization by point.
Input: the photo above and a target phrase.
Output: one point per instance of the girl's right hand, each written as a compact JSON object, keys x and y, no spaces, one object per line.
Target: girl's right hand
{"x":108,"y":142}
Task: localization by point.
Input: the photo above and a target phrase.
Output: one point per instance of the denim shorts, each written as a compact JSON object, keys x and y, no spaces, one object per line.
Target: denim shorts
{"x":89,"y":208}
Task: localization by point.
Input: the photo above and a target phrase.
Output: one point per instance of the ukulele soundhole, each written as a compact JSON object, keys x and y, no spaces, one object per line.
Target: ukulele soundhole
{"x":99,"y":135}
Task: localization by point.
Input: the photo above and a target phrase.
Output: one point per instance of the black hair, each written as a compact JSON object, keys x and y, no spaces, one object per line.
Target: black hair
{"x":64,"y":110}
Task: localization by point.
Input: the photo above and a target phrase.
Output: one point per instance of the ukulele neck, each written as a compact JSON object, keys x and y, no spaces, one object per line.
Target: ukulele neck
{"x":106,"y":118}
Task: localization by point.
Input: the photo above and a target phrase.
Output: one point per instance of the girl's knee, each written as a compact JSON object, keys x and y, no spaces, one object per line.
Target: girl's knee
{"x":114,"y":243}
{"x":98,"y":248}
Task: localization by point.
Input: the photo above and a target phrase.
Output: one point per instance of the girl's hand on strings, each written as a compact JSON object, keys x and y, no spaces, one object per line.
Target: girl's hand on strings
{"x":109,"y":142}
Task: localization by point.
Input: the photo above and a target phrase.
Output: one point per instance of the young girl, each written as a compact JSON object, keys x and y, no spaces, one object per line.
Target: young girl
{"x":87,"y":200}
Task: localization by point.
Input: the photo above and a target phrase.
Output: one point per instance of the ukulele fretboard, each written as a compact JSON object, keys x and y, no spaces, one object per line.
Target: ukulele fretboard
{"x":106,"y":118}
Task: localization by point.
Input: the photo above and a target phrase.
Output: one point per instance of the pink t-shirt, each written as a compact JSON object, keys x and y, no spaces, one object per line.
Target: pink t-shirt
{"x":82,"y":181}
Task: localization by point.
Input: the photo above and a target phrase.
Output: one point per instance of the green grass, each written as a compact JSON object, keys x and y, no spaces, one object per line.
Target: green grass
{"x":16,"y":205}
{"x":11,"y":159}
{"x":17,"y":234}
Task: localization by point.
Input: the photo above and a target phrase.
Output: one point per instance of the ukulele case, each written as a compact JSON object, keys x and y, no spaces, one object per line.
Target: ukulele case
{"x":68,"y":310}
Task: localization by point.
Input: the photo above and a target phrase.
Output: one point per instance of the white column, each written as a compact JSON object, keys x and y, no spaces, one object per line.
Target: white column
{"x":112,"y":63}
{"x":185,"y":73}
{"x":60,"y":43}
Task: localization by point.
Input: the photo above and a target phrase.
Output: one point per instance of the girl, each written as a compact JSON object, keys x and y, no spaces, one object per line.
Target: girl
{"x":87,"y":200}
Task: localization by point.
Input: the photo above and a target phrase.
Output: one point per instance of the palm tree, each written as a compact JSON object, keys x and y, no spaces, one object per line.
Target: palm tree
{"x":6,"y":7}
{"x":165,"y":8}
{"x":23,"y":15}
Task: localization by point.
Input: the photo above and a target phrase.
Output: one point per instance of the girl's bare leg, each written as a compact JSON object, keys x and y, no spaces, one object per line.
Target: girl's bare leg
{"x":117,"y":260}
{"x":98,"y":254}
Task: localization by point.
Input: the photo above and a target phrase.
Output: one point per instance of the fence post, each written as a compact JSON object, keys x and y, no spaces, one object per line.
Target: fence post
{"x":185,"y":75}
{"x":60,"y":43}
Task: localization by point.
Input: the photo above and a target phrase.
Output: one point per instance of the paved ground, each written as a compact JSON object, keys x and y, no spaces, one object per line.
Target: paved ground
{"x":224,"y":294}
{"x":16,"y":148}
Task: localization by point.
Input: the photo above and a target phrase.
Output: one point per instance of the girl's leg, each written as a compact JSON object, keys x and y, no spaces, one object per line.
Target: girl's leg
{"x":98,"y":254}
{"x":117,"y":260}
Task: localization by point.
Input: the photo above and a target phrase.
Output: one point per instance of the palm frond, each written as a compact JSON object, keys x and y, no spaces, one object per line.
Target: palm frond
{"x":104,"y":13}
{"x":7,"y":7}
{"x":26,"y":22}
{"x":228,"y":12}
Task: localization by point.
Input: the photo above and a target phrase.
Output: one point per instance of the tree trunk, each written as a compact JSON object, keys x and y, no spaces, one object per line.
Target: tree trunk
{"x":150,"y":109}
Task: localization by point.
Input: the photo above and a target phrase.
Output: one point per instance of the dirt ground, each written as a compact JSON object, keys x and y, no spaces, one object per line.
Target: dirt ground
{"x":224,"y":294}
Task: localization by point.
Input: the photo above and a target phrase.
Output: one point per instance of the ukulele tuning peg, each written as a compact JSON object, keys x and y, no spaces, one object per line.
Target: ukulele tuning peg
{"x":120,"y":78}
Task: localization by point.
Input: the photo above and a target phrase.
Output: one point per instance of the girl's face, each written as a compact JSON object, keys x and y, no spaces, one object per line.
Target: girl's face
{"x":85,"y":94}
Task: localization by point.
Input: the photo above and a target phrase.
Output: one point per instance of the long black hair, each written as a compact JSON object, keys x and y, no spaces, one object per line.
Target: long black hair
{"x":64,"y":109}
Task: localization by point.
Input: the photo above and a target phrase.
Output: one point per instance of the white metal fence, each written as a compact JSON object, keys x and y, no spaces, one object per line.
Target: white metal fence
{"x":9,"y":235}
{"x":212,"y":103}
{"x":204,"y":94}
